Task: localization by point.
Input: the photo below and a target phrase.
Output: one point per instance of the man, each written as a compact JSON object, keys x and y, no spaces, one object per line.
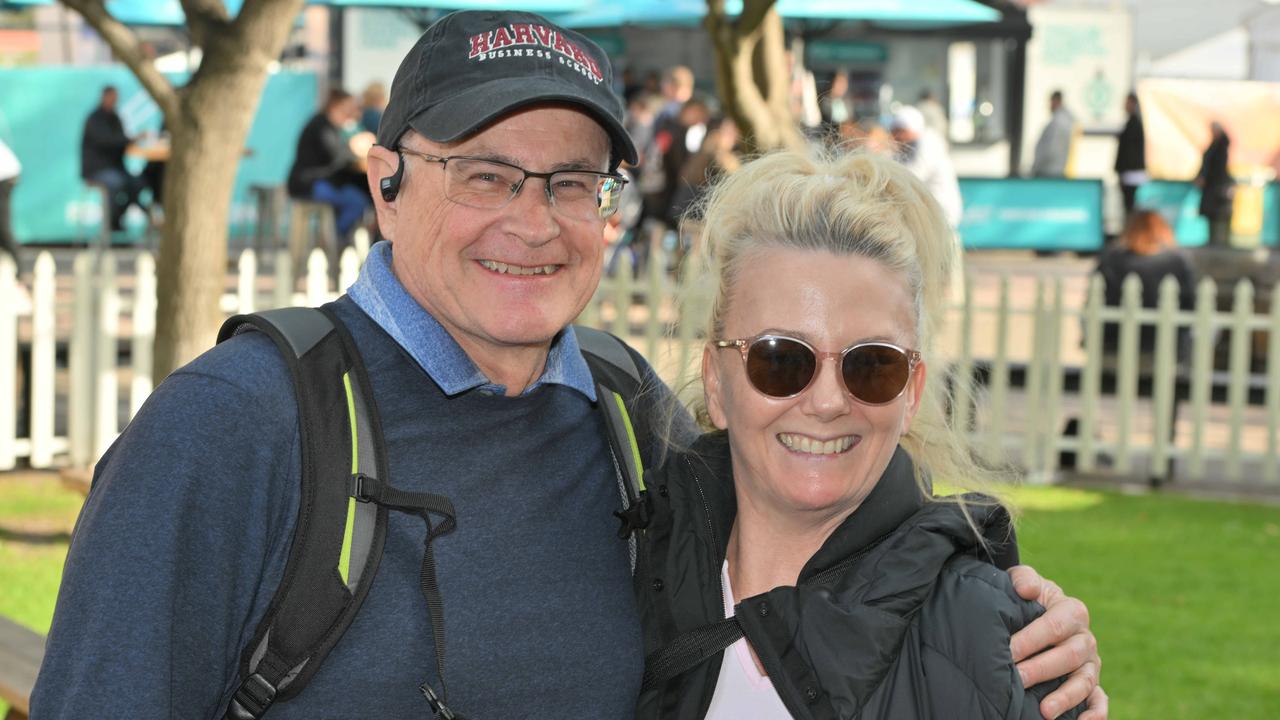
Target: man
{"x":924,"y":152}
{"x":1217,"y":187}
{"x":102,"y":157}
{"x":1131,"y":155}
{"x":324,"y":167}
{"x":1054,"y":145}
{"x":484,"y":397}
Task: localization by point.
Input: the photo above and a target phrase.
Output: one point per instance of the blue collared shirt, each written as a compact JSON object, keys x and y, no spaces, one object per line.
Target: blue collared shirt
{"x":378,"y":292}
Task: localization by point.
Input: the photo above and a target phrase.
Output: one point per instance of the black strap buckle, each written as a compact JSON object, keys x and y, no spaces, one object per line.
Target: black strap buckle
{"x":357,"y":489}
{"x":437,"y":705}
{"x":252,"y":698}
{"x":634,"y":518}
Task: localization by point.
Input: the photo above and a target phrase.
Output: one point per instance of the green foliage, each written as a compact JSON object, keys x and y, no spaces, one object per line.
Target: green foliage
{"x":1182,"y":593}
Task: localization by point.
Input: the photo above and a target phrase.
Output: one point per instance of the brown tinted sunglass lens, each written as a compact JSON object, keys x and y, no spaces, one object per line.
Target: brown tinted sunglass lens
{"x":876,"y":373}
{"x":779,"y":367}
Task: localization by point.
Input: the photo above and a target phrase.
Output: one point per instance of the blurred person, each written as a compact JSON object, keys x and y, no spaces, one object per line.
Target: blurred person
{"x":102,"y":149}
{"x":325,"y":169}
{"x":925,"y":155}
{"x":798,"y":562}
{"x":677,"y":88}
{"x":1053,"y":149}
{"x":1217,"y":187}
{"x":1131,"y":154}
{"x":372,"y":102}
{"x":935,"y":115}
{"x":836,"y":105}
{"x":637,"y":229}
{"x":10,"y":169}
{"x":1146,"y":249}
{"x":678,"y":139}
{"x":715,"y":156}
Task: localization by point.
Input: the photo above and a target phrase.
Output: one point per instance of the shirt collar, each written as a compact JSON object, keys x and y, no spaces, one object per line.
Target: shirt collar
{"x":378,"y":292}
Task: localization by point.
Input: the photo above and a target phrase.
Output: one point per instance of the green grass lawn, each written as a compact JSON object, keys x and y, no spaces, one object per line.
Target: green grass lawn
{"x":1184,"y":594}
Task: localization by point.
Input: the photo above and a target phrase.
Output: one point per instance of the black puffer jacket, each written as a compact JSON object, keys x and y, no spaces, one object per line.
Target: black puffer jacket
{"x":917,"y":626}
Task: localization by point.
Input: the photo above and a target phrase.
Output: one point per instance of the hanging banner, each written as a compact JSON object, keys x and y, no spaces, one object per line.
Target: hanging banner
{"x":1176,"y":116}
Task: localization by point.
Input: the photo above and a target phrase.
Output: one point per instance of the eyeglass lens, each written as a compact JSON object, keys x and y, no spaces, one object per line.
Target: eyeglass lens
{"x":483,"y":184}
{"x":781,"y":367}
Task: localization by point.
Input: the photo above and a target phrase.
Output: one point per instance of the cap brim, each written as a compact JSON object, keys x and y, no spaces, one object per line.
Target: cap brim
{"x":484,"y":104}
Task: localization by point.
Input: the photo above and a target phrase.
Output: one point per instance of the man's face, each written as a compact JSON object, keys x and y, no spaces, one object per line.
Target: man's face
{"x":109,"y":100}
{"x":501,"y":278}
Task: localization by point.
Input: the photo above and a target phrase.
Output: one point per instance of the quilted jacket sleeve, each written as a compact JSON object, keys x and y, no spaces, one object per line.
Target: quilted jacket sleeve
{"x":965,"y":629}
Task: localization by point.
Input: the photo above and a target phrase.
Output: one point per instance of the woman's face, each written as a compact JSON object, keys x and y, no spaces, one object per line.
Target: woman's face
{"x":821,"y":451}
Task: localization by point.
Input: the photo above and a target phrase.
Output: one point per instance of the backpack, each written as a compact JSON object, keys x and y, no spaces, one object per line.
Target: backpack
{"x":347,"y":495}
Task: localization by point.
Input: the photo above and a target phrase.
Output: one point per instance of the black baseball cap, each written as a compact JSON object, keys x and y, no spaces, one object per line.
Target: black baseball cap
{"x":470,"y":68}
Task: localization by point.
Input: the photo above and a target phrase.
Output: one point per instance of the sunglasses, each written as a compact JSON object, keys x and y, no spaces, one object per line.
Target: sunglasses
{"x":778,"y":366}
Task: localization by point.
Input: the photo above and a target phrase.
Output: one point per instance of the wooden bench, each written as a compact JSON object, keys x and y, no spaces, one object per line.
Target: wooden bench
{"x":21,"y":652}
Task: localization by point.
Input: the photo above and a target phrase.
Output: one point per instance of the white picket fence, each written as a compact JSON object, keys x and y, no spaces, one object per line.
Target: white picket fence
{"x":1018,"y":424}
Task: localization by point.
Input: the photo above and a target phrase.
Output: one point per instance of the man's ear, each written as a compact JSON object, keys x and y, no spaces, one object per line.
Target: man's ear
{"x":712,"y":387}
{"x":384,"y":163}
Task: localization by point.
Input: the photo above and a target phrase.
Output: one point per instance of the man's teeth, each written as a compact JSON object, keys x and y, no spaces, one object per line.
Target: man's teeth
{"x":803,"y":444}
{"x":517,"y":269}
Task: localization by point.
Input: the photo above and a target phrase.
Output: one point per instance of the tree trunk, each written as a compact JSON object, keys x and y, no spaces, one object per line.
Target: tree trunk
{"x":208,"y":140}
{"x":208,"y":124}
{"x":208,"y":134}
{"x":752,"y":74}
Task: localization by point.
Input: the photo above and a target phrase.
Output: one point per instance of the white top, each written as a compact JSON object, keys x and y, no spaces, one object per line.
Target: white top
{"x":9,"y":165}
{"x":742,"y":693}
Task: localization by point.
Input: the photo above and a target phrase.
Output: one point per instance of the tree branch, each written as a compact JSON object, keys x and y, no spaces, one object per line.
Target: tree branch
{"x":126,"y":47}
{"x":753,"y":14}
{"x":202,"y":17}
{"x":262,"y":24}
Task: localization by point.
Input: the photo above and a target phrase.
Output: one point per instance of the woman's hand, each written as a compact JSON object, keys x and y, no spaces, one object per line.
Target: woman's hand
{"x":1055,"y":644}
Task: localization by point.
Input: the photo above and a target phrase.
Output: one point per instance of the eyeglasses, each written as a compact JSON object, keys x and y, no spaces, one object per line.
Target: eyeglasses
{"x":875,"y":373}
{"x":492,"y":184}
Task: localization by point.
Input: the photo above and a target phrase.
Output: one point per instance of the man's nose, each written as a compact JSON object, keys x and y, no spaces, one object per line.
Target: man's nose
{"x":534,"y":212}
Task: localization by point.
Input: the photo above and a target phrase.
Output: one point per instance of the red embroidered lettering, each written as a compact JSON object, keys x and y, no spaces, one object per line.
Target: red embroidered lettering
{"x":479,"y":45}
{"x":524,"y":36}
{"x":502,"y":38}
{"x":544,"y":33}
{"x":563,"y":47}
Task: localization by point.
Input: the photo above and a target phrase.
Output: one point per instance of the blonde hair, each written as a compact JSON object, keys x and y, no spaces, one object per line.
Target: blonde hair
{"x":849,"y":203}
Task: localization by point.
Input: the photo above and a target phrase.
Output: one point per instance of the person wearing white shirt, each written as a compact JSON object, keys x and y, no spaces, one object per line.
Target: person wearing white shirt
{"x":924,"y":153}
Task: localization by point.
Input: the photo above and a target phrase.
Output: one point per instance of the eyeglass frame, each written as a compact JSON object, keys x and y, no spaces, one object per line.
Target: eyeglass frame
{"x":545,"y":176}
{"x":743,"y":345}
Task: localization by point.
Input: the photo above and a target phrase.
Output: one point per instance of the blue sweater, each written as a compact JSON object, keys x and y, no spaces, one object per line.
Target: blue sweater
{"x":185,"y":534}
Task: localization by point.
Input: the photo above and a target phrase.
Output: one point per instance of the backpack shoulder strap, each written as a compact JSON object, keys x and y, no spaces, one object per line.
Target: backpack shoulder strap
{"x":338,"y":537}
{"x":618,"y":383}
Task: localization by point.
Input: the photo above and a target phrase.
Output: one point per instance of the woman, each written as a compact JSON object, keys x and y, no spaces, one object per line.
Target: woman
{"x":1217,"y":187}
{"x":1145,"y":249}
{"x":808,"y":514}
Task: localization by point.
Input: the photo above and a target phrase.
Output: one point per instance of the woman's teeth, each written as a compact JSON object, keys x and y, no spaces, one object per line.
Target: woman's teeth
{"x":801,"y":443}
{"x":506,"y":269}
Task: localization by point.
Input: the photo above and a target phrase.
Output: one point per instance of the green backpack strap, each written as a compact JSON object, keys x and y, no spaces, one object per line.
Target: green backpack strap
{"x":618,"y":384}
{"x":337,"y":530}
{"x":342,"y":515}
